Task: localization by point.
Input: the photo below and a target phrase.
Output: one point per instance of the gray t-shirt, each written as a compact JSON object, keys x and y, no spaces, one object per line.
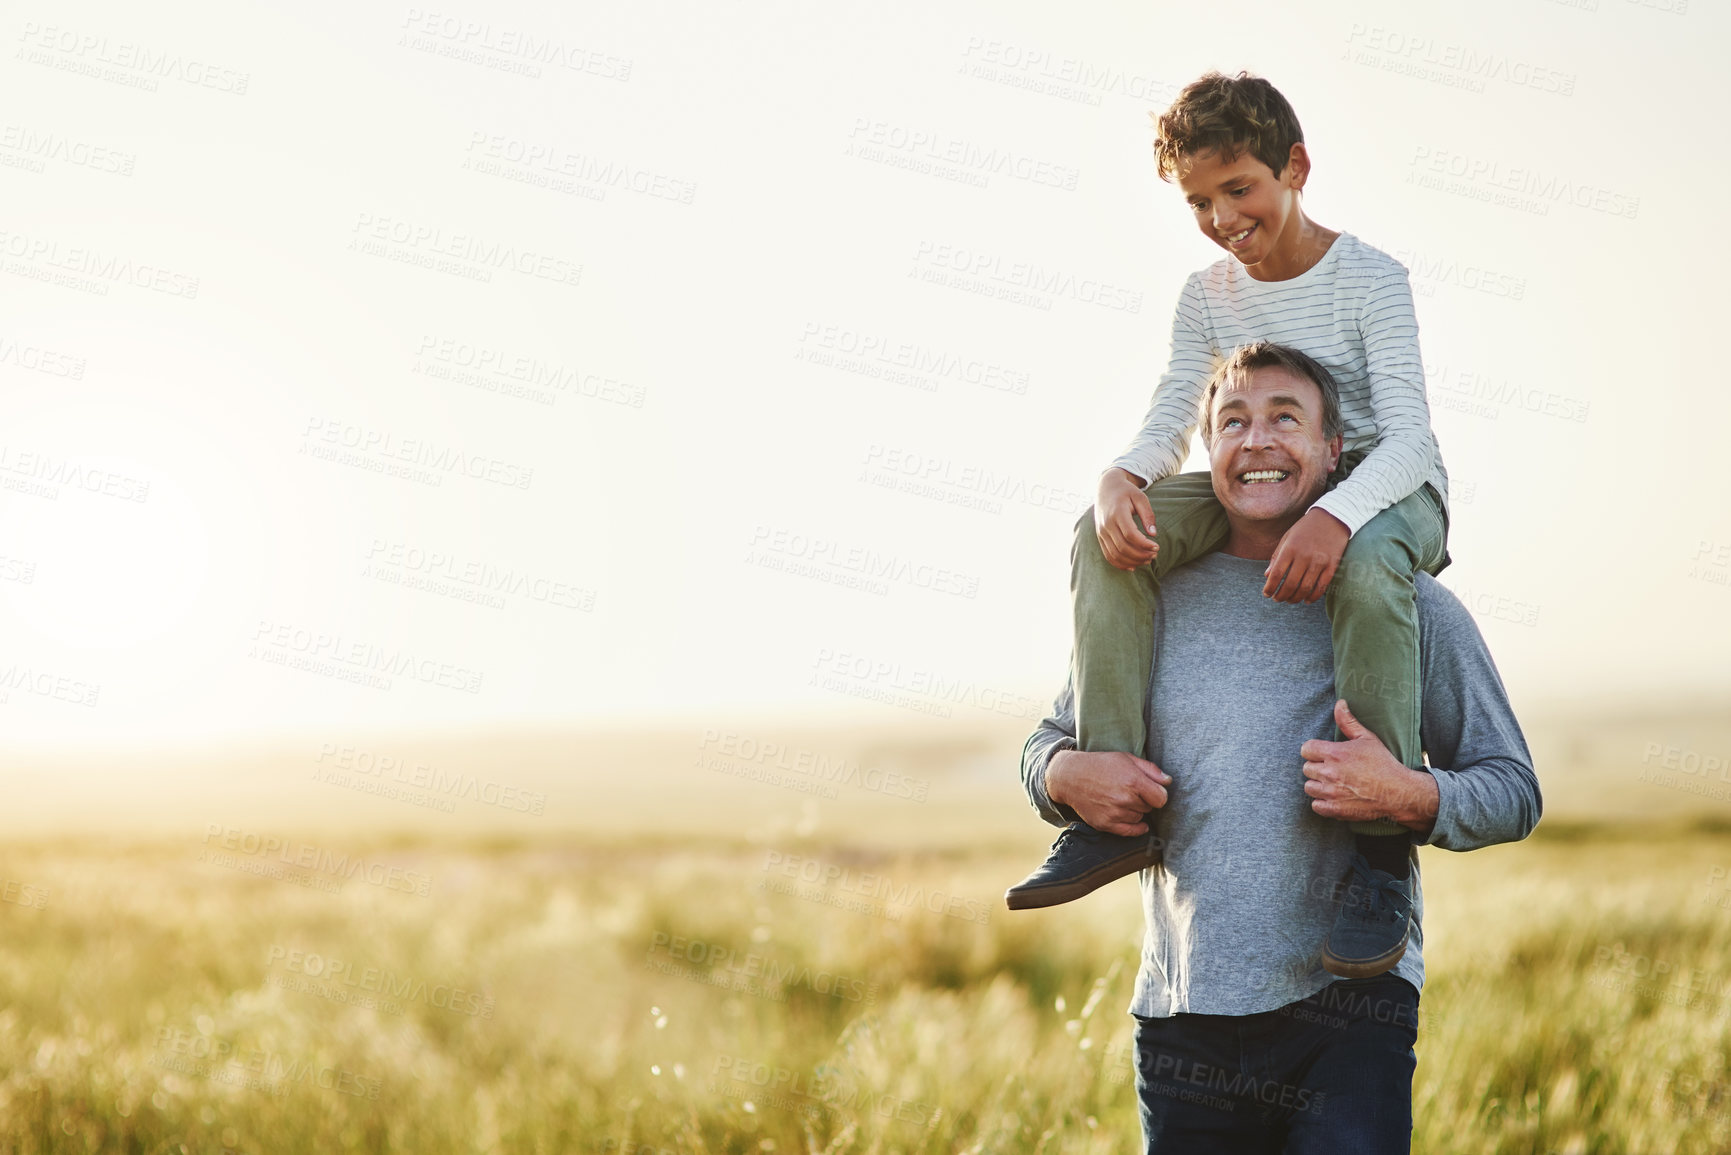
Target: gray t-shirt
{"x":1237,"y":913}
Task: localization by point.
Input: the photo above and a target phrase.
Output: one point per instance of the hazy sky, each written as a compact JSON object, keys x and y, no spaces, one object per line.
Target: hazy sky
{"x":373,"y":365}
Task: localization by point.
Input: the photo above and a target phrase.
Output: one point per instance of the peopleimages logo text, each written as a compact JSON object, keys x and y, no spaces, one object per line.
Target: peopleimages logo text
{"x":304,"y":854}
{"x":403,"y":988}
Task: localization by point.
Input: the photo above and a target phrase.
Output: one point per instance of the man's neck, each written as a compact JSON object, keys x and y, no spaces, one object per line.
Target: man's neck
{"x":1256,"y":541}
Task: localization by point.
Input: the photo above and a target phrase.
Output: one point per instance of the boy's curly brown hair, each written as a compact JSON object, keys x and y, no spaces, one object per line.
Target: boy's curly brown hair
{"x":1228,"y":114}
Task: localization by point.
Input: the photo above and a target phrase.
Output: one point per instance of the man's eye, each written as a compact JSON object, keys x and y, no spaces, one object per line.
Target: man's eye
{"x":1286,"y":417}
{"x":1230,"y":422}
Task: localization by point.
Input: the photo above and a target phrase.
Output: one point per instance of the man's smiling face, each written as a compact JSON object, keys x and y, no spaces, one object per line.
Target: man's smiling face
{"x":1270,"y":457}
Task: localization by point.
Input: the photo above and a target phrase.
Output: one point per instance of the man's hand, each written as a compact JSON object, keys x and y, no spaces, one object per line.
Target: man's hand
{"x":1306,"y":558}
{"x":1117,"y":503}
{"x":1108,"y":791}
{"x":1358,"y":780}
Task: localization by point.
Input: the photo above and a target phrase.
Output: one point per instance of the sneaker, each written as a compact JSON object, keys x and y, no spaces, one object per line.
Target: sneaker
{"x":1370,"y":931}
{"x":1082,"y":860}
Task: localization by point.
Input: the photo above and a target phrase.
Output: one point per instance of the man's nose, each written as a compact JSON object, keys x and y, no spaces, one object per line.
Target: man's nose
{"x":1260,"y":435}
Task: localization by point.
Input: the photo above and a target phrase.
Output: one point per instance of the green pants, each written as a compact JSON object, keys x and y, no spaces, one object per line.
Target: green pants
{"x":1372,"y":609}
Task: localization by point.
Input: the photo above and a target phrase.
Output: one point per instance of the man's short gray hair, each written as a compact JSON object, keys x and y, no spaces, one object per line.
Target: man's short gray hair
{"x":1246,"y":359}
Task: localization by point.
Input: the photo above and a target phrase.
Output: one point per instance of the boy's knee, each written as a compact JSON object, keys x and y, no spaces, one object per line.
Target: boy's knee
{"x":1087,"y":536}
{"x":1375,"y":577}
{"x":1373,"y":559}
{"x":1085,"y":549}
{"x":1084,"y":529}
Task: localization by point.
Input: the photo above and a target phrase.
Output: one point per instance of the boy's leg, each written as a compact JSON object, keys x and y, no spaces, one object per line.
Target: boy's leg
{"x":1114,"y":652}
{"x":1114,"y":611}
{"x":1373,"y":608}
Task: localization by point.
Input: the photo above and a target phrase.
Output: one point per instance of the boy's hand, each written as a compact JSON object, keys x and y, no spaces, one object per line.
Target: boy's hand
{"x":1306,"y":558}
{"x":1109,"y":791}
{"x":1117,"y":504}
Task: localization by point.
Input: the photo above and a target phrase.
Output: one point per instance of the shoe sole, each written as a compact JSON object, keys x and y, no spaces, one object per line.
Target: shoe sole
{"x":1088,"y":883}
{"x":1363,"y":968}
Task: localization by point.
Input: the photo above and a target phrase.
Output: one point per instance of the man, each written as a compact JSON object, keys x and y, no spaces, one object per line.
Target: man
{"x":1244,"y":1042}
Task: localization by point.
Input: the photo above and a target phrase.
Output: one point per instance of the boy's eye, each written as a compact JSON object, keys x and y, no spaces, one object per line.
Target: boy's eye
{"x":1238,"y":192}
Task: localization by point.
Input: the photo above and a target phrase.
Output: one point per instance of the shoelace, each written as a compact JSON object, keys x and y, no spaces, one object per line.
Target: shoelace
{"x":1070,"y":833}
{"x":1379,"y":908}
{"x":1074,"y":833}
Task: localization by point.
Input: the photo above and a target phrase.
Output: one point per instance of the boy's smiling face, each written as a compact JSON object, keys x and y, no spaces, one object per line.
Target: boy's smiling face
{"x":1244,"y":208}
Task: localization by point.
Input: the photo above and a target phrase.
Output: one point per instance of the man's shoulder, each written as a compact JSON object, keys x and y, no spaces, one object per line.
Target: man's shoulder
{"x":1443,"y":618}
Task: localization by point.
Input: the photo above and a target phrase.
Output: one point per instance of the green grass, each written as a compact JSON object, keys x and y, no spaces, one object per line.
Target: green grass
{"x":1578,"y":998}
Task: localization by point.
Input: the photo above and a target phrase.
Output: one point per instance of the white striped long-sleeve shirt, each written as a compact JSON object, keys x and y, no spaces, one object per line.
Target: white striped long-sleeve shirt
{"x":1353,"y":312}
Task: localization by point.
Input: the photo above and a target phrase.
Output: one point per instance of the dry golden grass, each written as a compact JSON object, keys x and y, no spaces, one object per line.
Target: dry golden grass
{"x":1577,"y":1002}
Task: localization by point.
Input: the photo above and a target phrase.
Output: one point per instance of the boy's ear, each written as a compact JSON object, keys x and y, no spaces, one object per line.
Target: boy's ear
{"x":1297,"y":166}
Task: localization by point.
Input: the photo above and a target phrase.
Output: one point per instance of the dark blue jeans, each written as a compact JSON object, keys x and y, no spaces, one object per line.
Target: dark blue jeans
{"x":1327,"y":1075}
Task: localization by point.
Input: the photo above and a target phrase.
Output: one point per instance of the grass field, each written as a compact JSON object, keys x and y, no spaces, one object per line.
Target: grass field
{"x":192,"y":997}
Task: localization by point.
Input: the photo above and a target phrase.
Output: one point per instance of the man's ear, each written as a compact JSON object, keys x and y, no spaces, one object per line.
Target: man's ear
{"x":1297,"y":166}
{"x":1334,"y":446}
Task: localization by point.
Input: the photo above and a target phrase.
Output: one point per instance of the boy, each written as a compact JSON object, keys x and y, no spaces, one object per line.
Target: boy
{"x":1235,"y":147}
